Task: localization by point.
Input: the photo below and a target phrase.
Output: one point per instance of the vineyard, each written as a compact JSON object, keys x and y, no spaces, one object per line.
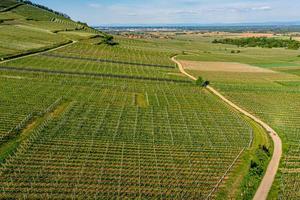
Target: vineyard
{"x":80,"y":118}
{"x":102,"y":60}
{"x":274,"y":97}
{"x":107,"y":122}
{"x":128,"y":139}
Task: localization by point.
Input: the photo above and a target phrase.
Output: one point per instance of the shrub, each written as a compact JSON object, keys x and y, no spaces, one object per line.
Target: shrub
{"x":199,"y":81}
{"x":205,"y":84}
{"x":109,"y":40}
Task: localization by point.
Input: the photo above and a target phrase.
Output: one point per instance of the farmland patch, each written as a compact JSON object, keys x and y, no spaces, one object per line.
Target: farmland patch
{"x":223,"y":67}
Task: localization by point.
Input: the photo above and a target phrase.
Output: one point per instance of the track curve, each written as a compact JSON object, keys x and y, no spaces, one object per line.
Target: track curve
{"x":269,"y":177}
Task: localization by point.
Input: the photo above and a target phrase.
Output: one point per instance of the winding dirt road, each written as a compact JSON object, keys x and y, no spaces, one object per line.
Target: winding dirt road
{"x":268,"y":179}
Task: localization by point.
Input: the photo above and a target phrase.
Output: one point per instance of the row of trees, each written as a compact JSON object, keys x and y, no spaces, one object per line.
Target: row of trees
{"x":260,"y":42}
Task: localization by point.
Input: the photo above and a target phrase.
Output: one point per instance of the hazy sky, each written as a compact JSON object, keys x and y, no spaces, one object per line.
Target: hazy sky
{"x":100,"y":12}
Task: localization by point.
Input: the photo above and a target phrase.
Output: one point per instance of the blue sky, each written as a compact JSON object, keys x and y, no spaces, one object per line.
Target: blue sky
{"x":103,"y":12}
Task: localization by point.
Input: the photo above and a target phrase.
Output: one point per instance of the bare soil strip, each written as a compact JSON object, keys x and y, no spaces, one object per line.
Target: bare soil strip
{"x":269,"y":177}
{"x":223,"y":67}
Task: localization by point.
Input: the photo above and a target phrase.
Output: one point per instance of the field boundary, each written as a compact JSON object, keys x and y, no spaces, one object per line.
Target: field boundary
{"x":107,"y":61}
{"x":269,"y":177}
{"x":34,"y":52}
{"x":11,"y":7}
{"x":60,"y":72}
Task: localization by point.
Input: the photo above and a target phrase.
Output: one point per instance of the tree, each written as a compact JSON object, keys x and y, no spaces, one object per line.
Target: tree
{"x":109,"y":40}
{"x":199,"y":81}
{"x":205,"y":84}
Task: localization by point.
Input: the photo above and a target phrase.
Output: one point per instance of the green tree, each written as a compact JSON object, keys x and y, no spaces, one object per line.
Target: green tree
{"x":205,"y":84}
{"x":199,"y":81}
{"x":109,"y":40}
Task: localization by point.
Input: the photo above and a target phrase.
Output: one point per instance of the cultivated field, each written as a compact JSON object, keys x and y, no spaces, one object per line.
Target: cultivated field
{"x":223,"y":67}
{"x":126,"y":139}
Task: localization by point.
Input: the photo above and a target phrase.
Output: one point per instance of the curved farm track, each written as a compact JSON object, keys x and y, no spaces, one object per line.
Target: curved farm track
{"x":39,"y":52}
{"x":269,"y":177}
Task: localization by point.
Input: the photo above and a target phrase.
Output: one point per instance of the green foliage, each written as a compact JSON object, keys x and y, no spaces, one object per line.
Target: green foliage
{"x":255,"y":173}
{"x":206,"y":83}
{"x":82,"y":23}
{"x":260,"y":42}
{"x":201,"y":82}
{"x":235,"y":51}
{"x":109,"y":40}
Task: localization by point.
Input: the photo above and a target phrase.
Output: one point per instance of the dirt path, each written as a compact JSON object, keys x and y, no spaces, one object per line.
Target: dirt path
{"x":268,"y":179}
{"x":37,"y":53}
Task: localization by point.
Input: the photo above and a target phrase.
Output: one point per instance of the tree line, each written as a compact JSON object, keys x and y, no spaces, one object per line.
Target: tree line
{"x":260,"y":42}
{"x":44,"y":8}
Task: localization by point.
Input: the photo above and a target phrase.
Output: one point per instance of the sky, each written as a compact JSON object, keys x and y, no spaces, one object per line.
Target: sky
{"x":131,"y":12}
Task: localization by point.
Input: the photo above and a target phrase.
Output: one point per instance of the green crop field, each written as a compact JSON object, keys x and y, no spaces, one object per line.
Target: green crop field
{"x":123,"y":60}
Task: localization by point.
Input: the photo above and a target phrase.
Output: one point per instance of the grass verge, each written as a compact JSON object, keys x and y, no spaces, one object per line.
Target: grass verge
{"x":247,"y":175}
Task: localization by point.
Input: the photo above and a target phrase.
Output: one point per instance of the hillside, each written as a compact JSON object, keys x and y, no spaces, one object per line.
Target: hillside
{"x":26,"y":28}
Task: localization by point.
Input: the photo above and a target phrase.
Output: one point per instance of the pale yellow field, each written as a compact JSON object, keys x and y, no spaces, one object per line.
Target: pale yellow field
{"x":223,"y":67}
